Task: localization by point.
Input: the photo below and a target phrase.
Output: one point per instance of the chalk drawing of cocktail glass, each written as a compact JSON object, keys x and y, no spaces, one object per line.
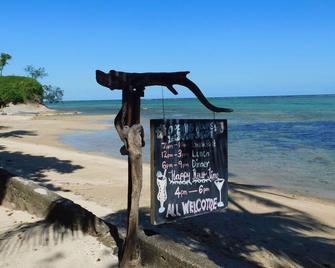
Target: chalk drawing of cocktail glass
{"x":160,"y":133}
{"x":219,"y":183}
{"x":162,"y":195}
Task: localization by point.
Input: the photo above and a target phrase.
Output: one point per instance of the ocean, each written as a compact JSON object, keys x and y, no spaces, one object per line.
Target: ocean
{"x":287,"y":142}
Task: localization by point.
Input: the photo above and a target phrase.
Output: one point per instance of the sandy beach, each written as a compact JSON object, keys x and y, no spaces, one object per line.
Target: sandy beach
{"x":32,"y":242}
{"x":263,"y":226}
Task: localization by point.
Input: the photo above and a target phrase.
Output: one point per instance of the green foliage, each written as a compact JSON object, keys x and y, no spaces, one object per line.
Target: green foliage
{"x":4,"y":58}
{"x":18,"y":89}
{"x":52,"y":94}
{"x":35,"y":73}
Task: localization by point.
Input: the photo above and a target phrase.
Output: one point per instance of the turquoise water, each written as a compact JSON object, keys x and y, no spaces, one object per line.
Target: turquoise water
{"x":287,"y":142}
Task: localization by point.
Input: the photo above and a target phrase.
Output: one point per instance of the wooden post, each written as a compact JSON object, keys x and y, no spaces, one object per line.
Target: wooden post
{"x":133,"y":117}
{"x":131,"y":256}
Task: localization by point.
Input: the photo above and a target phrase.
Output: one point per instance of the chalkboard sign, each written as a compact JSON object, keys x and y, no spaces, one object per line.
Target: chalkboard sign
{"x":189,"y":169}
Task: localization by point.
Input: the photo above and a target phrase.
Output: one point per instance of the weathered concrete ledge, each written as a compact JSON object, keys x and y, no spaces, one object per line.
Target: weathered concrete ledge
{"x":160,"y":252}
{"x":157,"y":251}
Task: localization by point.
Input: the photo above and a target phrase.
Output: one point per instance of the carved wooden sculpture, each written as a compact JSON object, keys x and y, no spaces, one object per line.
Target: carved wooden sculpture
{"x":127,"y":123}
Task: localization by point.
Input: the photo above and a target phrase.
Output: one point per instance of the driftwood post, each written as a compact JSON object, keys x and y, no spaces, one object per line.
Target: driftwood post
{"x":127,"y":124}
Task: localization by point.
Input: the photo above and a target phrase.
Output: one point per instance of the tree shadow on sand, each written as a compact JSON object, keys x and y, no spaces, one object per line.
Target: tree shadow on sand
{"x":17,"y":134}
{"x":63,"y":220}
{"x":33,"y":167}
{"x":231,"y":237}
{"x":63,"y":217}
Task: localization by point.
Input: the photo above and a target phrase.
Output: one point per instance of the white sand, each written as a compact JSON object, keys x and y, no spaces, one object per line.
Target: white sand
{"x":25,"y":108}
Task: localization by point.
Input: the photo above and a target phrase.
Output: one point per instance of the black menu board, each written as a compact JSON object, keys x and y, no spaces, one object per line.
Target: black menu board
{"x":189,"y":168}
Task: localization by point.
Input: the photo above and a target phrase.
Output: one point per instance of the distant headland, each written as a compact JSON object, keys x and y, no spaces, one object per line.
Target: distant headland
{"x":21,"y":94}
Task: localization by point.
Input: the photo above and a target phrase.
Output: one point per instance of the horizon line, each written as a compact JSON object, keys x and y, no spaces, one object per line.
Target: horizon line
{"x":227,"y":97}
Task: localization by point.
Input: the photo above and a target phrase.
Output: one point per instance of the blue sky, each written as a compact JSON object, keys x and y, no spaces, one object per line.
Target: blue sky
{"x":232,"y":48}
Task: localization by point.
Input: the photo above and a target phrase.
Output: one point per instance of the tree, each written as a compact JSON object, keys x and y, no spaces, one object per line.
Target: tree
{"x":52,"y":94}
{"x":36,"y":73}
{"x":4,"y":57}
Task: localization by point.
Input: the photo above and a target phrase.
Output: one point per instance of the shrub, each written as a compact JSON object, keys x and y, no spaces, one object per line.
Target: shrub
{"x":19,"y":89}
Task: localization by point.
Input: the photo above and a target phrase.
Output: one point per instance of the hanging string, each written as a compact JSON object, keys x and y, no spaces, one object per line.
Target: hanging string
{"x":214,"y":116}
{"x":163,"y":104}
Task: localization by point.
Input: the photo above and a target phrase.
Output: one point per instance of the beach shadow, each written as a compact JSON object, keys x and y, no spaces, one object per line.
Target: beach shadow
{"x":17,"y":134}
{"x":33,"y":167}
{"x":63,"y":220}
{"x":231,"y":237}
